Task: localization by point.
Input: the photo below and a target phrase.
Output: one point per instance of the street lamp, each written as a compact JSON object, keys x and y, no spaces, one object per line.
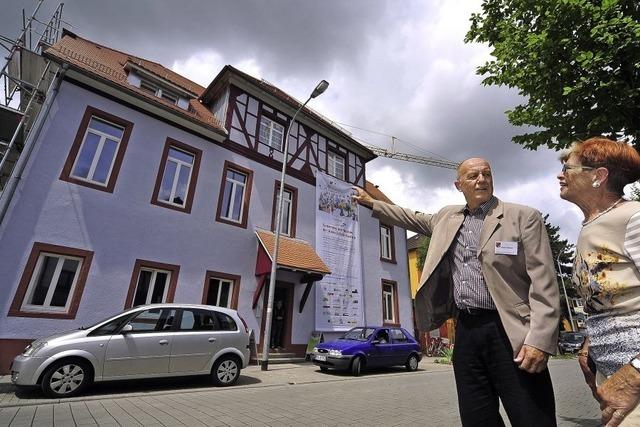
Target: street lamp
{"x":566,"y":299}
{"x":320,"y":88}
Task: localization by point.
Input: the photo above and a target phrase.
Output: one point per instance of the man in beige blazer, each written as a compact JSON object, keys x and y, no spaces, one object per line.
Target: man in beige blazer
{"x":489,"y":264}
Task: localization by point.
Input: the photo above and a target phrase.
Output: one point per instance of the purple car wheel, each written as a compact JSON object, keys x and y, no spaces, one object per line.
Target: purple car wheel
{"x":412,"y":363}
{"x":356,"y":366}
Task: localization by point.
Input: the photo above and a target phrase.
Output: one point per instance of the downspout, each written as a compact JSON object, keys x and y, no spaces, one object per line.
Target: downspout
{"x":29,"y":145}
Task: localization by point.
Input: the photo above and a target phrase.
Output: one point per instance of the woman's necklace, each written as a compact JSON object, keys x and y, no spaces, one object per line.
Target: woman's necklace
{"x":603,"y":212}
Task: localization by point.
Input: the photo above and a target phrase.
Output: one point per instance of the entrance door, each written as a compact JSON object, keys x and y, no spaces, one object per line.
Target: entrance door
{"x":282,"y":316}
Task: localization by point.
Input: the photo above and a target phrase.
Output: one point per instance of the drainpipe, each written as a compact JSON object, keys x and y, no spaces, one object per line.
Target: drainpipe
{"x":29,"y":145}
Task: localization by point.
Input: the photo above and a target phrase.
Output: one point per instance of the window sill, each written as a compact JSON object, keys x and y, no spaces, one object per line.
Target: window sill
{"x":107,"y":188}
{"x":41,"y":314}
{"x":184,"y":209}
{"x":230,"y":222}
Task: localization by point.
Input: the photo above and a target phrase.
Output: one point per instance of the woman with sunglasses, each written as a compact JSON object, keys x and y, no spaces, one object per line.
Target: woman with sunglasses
{"x":606,"y":271}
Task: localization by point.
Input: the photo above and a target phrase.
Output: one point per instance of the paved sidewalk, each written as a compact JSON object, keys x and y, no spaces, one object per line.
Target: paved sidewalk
{"x":251,"y":377}
{"x":286,"y":395}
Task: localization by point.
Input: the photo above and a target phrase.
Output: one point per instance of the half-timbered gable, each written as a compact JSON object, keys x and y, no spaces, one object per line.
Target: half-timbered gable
{"x":257,"y":116}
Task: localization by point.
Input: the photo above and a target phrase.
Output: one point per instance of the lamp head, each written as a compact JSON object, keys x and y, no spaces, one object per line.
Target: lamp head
{"x":322,"y":86}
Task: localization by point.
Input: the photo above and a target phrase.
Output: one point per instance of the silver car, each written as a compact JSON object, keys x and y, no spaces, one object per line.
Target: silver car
{"x":158,"y":340}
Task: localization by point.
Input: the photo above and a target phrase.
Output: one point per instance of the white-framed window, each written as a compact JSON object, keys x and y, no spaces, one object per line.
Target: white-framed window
{"x":388,"y":302}
{"x":158,"y":91}
{"x":287,"y":207}
{"x":98,"y":150}
{"x":152,"y":286}
{"x":176,"y":178}
{"x":335,"y":165}
{"x":52,"y":283}
{"x":271,"y":133}
{"x":235,"y":184}
{"x":386,"y":251}
{"x":220,"y":292}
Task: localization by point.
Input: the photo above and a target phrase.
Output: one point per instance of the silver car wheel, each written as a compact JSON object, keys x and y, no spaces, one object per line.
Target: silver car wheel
{"x":227,"y":371}
{"x":66,"y":379}
{"x":412,"y":363}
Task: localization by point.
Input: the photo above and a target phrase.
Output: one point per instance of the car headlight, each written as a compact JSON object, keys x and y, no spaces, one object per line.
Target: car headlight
{"x":315,"y":349}
{"x":33,"y":348}
{"x":335,"y":352}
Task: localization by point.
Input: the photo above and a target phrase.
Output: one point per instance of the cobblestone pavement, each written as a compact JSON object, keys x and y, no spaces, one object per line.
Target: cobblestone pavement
{"x":287,"y":395}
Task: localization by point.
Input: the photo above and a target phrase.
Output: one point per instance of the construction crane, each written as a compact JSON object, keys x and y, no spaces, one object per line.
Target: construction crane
{"x":440,"y":162}
{"x":431,"y":161}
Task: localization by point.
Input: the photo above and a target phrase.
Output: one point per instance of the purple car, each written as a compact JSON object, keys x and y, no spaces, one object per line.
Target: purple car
{"x":368,"y":347}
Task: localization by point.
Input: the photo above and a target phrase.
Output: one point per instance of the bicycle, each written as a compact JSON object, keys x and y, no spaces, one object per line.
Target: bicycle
{"x":437,"y":346}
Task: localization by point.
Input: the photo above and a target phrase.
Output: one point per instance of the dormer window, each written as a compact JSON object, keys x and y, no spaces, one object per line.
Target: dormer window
{"x":158,"y":87}
{"x":158,"y":91}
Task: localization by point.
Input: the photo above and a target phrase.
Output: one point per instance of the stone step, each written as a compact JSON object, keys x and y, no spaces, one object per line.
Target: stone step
{"x":279,"y":358}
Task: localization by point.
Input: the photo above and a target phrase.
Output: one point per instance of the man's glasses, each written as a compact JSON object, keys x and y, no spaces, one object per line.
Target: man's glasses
{"x":566,"y":166}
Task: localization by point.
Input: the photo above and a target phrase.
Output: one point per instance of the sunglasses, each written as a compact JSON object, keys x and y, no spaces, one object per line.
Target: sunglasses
{"x":567,"y":166}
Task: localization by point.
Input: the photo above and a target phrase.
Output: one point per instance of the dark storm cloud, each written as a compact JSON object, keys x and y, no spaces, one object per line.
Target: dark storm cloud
{"x":400,"y":68}
{"x":285,"y":36}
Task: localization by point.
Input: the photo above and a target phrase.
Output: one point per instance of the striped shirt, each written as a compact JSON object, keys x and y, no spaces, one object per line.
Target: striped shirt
{"x":469,"y":288}
{"x":632,"y":239}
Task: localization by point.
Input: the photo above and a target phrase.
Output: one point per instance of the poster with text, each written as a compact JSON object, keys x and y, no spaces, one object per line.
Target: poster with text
{"x":339,"y":305}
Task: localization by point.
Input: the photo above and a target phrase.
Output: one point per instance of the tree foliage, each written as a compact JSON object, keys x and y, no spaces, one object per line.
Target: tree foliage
{"x":561,"y":249}
{"x":576,"y":62}
{"x":423,"y":247}
{"x":563,"y":253}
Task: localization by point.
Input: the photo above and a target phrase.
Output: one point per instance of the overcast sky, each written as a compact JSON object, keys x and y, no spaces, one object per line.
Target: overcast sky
{"x":398,"y":68}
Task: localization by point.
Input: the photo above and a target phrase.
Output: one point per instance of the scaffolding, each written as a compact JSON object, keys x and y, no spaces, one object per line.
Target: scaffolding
{"x":25,"y":78}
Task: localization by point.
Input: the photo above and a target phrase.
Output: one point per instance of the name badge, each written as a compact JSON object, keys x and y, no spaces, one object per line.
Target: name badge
{"x":506,"y":248}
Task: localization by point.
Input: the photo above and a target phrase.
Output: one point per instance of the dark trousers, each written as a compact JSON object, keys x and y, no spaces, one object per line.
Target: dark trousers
{"x":486,"y":373}
{"x":276,"y":333}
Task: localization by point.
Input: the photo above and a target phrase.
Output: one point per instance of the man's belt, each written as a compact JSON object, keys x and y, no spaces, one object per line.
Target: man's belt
{"x":476,"y":311}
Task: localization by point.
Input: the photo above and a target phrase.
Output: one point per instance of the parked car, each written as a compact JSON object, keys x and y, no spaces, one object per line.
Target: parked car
{"x":570,"y":342}
{"x":368,"y":347}
{"x":158,"y":340}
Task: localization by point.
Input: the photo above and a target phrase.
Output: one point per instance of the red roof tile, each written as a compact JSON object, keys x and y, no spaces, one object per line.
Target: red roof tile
{"x":293,"y":253}
{"x":376,"y":193}
{"x":109,"y":64}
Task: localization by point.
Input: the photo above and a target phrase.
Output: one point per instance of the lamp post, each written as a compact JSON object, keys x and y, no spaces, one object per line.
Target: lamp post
{"x":565,"y":292}
{"x":319,"y":89}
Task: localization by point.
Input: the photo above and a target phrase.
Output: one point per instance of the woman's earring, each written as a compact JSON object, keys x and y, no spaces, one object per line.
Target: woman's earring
{"x":596,"y":184}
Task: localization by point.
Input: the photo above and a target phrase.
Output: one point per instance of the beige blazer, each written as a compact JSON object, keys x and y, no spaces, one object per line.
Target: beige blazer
{"x":523,"y":286}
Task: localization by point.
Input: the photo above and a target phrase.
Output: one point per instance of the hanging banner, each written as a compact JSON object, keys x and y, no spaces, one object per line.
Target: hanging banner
{"x":339,"y":305}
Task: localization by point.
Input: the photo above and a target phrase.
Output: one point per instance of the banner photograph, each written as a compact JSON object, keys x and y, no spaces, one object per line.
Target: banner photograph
{"x":339,"y":305}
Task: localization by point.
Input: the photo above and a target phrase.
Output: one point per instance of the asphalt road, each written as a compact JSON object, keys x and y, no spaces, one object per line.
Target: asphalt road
{"x":299,"y":395}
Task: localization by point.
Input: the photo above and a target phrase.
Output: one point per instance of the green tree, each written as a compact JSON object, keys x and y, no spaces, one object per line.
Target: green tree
{"x":576,"y":63}
{"x":423,"y":247}
{"x":562,"y":252}
{"x":561,"y":249}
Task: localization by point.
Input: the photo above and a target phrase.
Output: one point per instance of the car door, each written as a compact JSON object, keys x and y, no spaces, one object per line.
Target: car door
{"x":402,"y":347}
{"x":382,"y":349}
{"x":196,"y":341}
{"x":145,"y":349}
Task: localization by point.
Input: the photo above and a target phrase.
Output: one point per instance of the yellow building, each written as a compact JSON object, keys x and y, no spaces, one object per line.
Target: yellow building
{"x":448,"y":329}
